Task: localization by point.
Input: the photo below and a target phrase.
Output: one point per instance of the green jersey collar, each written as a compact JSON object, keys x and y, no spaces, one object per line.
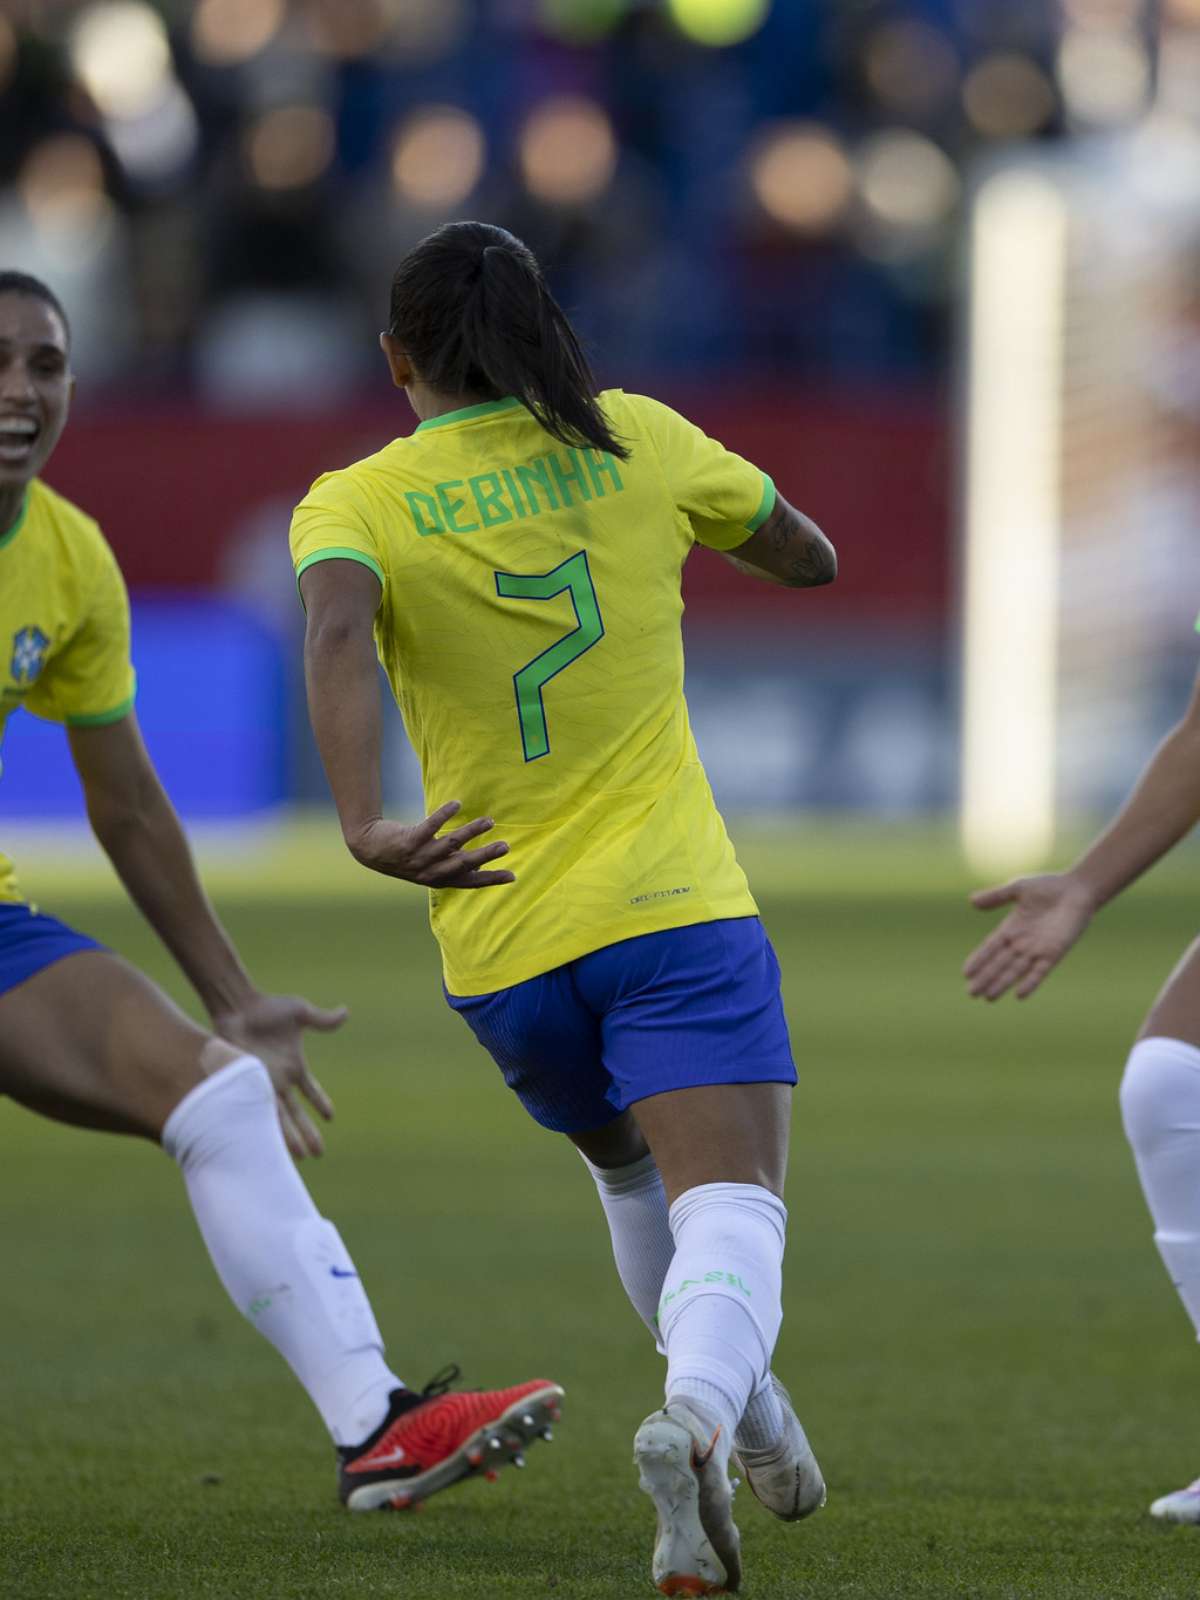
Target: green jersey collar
{"x":469,"y":413}
{"x":11,"y":533}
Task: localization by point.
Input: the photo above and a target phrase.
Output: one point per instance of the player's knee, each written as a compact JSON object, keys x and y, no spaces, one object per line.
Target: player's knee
{"x":617,"y":1145}
{"x":1160,"y":1091}
{"x":217,"y":1053}
{"x":175,"y":1067}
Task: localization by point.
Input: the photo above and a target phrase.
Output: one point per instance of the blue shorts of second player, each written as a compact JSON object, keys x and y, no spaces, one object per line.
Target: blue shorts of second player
{"x":670,"y":1010}
{"x":30,"y":941}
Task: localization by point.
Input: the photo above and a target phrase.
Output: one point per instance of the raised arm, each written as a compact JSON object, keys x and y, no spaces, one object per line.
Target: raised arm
{"x":789,"y":549}
{"x":141,"y":834}
{"x":1050,"y":911}
{"x":341,"y":672}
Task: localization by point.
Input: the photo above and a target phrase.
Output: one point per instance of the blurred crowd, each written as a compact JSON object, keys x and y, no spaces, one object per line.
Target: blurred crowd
{"x":761,"y":188}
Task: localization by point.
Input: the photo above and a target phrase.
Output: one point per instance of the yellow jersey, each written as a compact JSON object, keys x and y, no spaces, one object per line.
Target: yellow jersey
{"x":64,"y":624}
{"x":529,"y":626}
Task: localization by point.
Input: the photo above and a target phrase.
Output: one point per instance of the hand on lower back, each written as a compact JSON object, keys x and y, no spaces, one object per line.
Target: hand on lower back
{"x":420,"y":854}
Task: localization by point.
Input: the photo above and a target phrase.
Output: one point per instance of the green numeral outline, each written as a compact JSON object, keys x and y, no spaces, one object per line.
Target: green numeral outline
{"x":572,"y":577}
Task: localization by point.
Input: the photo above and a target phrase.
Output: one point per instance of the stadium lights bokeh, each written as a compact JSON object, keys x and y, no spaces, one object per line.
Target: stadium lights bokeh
{"x":718,"y":22}
{"x":438,"y":157}
{"x":1008,"y":96}
{"x":289,"y":147}
{"x":122,"y":55}
{"x":422,"y":31}
{"x":801,"y":177}
{"x":1104,"y":74}
{"x":911,"y":68}
{"x":347,"y":29}
{"x":61,"y":187}
{"x":582,"y":21}
{"x":568,"y":151}
{"x":225,"y":33}
{"x":906,"y":182}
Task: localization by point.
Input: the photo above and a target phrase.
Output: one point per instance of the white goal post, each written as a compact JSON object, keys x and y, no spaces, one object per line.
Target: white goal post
{"x":1081,"y":489}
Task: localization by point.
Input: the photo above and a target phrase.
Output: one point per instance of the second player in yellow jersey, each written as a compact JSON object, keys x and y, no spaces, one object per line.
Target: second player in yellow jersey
{"x":64,"y":624}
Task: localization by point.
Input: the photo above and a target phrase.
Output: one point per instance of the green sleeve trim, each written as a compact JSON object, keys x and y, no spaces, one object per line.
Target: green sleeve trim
{"x":765,"y":506}
{"x":101,"y":719}
{"x":341,"y":553}
{"x":1198,"y":624}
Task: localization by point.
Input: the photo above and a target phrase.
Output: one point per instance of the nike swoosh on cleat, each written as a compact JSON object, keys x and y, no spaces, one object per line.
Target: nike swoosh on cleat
{"x":699,"y":1462}
{"x":392,"y":1459}
{"x":340,"y":1272}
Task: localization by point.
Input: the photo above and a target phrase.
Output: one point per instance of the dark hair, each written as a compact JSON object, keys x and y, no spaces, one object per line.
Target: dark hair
{"x":472,"y":311}
{"x":35,"y":289}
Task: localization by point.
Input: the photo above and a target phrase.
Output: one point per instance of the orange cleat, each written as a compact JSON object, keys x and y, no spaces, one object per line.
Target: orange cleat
{"x":431,"y":1440}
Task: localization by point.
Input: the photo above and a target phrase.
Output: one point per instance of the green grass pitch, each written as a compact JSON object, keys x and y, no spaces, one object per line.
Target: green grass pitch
{"x":979,"y":1334}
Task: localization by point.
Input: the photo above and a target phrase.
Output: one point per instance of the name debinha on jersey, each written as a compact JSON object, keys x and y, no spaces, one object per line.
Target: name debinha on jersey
{"x":510,"y":494}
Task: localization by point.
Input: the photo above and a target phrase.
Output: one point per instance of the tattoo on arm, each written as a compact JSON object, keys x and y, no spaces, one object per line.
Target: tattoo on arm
{"x":806,"y":558}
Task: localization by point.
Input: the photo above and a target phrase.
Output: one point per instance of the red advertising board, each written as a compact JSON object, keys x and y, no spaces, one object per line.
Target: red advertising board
{"x":172,"y":486}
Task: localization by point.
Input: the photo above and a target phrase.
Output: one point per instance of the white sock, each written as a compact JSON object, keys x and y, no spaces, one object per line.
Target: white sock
{"x":1160,"y":1105}
{"x":761,"y":1427}
{"x":721,"y":1306}
{"x":635,"y":1204}
{"x":282,"y":1264}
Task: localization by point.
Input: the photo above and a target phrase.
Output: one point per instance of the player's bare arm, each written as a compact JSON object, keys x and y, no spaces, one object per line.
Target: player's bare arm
{"x":342,"y":676}
{"x":1051,"y":910}
{"x":138,"y":828}
{"x":788,"y":549}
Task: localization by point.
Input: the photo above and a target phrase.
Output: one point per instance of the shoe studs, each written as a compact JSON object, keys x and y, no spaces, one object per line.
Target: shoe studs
{"x":491,"y":1474}
{"x":518,"y":1460}
{"x":547,"y":1434}
{"x":475,"y":1457}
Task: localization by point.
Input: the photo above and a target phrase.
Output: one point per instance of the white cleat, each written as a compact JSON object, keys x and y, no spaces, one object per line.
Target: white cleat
{"x":1181,"y":1506}
{"x":684,"y":1469}
{"x":787,"y":1479}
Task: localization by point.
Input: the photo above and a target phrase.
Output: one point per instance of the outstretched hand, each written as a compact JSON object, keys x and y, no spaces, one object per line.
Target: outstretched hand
{"x":1049,"y":913}
{"x":271,"y":1026}
{"x":420,"y":854}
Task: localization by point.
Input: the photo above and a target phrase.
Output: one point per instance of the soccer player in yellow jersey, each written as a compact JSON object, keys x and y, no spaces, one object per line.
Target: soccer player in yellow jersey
{"x":516,"y":564}
{"x":85,"y":1038}
{"x":1160,"y":1090}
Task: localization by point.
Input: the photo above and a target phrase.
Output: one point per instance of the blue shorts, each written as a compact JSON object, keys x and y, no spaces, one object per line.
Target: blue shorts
{"x":30,"y":941}
{"x":670,"y":1010}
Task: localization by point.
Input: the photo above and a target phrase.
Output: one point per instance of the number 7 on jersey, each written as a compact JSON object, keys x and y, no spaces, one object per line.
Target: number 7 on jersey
{"x":571,"y":577}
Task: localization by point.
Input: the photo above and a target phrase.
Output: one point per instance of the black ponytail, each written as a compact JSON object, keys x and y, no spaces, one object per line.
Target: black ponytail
{"x":474,"y":316}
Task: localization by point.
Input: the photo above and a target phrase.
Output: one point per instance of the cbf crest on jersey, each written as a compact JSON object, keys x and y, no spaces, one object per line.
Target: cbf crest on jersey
{"x":29,"y":654}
